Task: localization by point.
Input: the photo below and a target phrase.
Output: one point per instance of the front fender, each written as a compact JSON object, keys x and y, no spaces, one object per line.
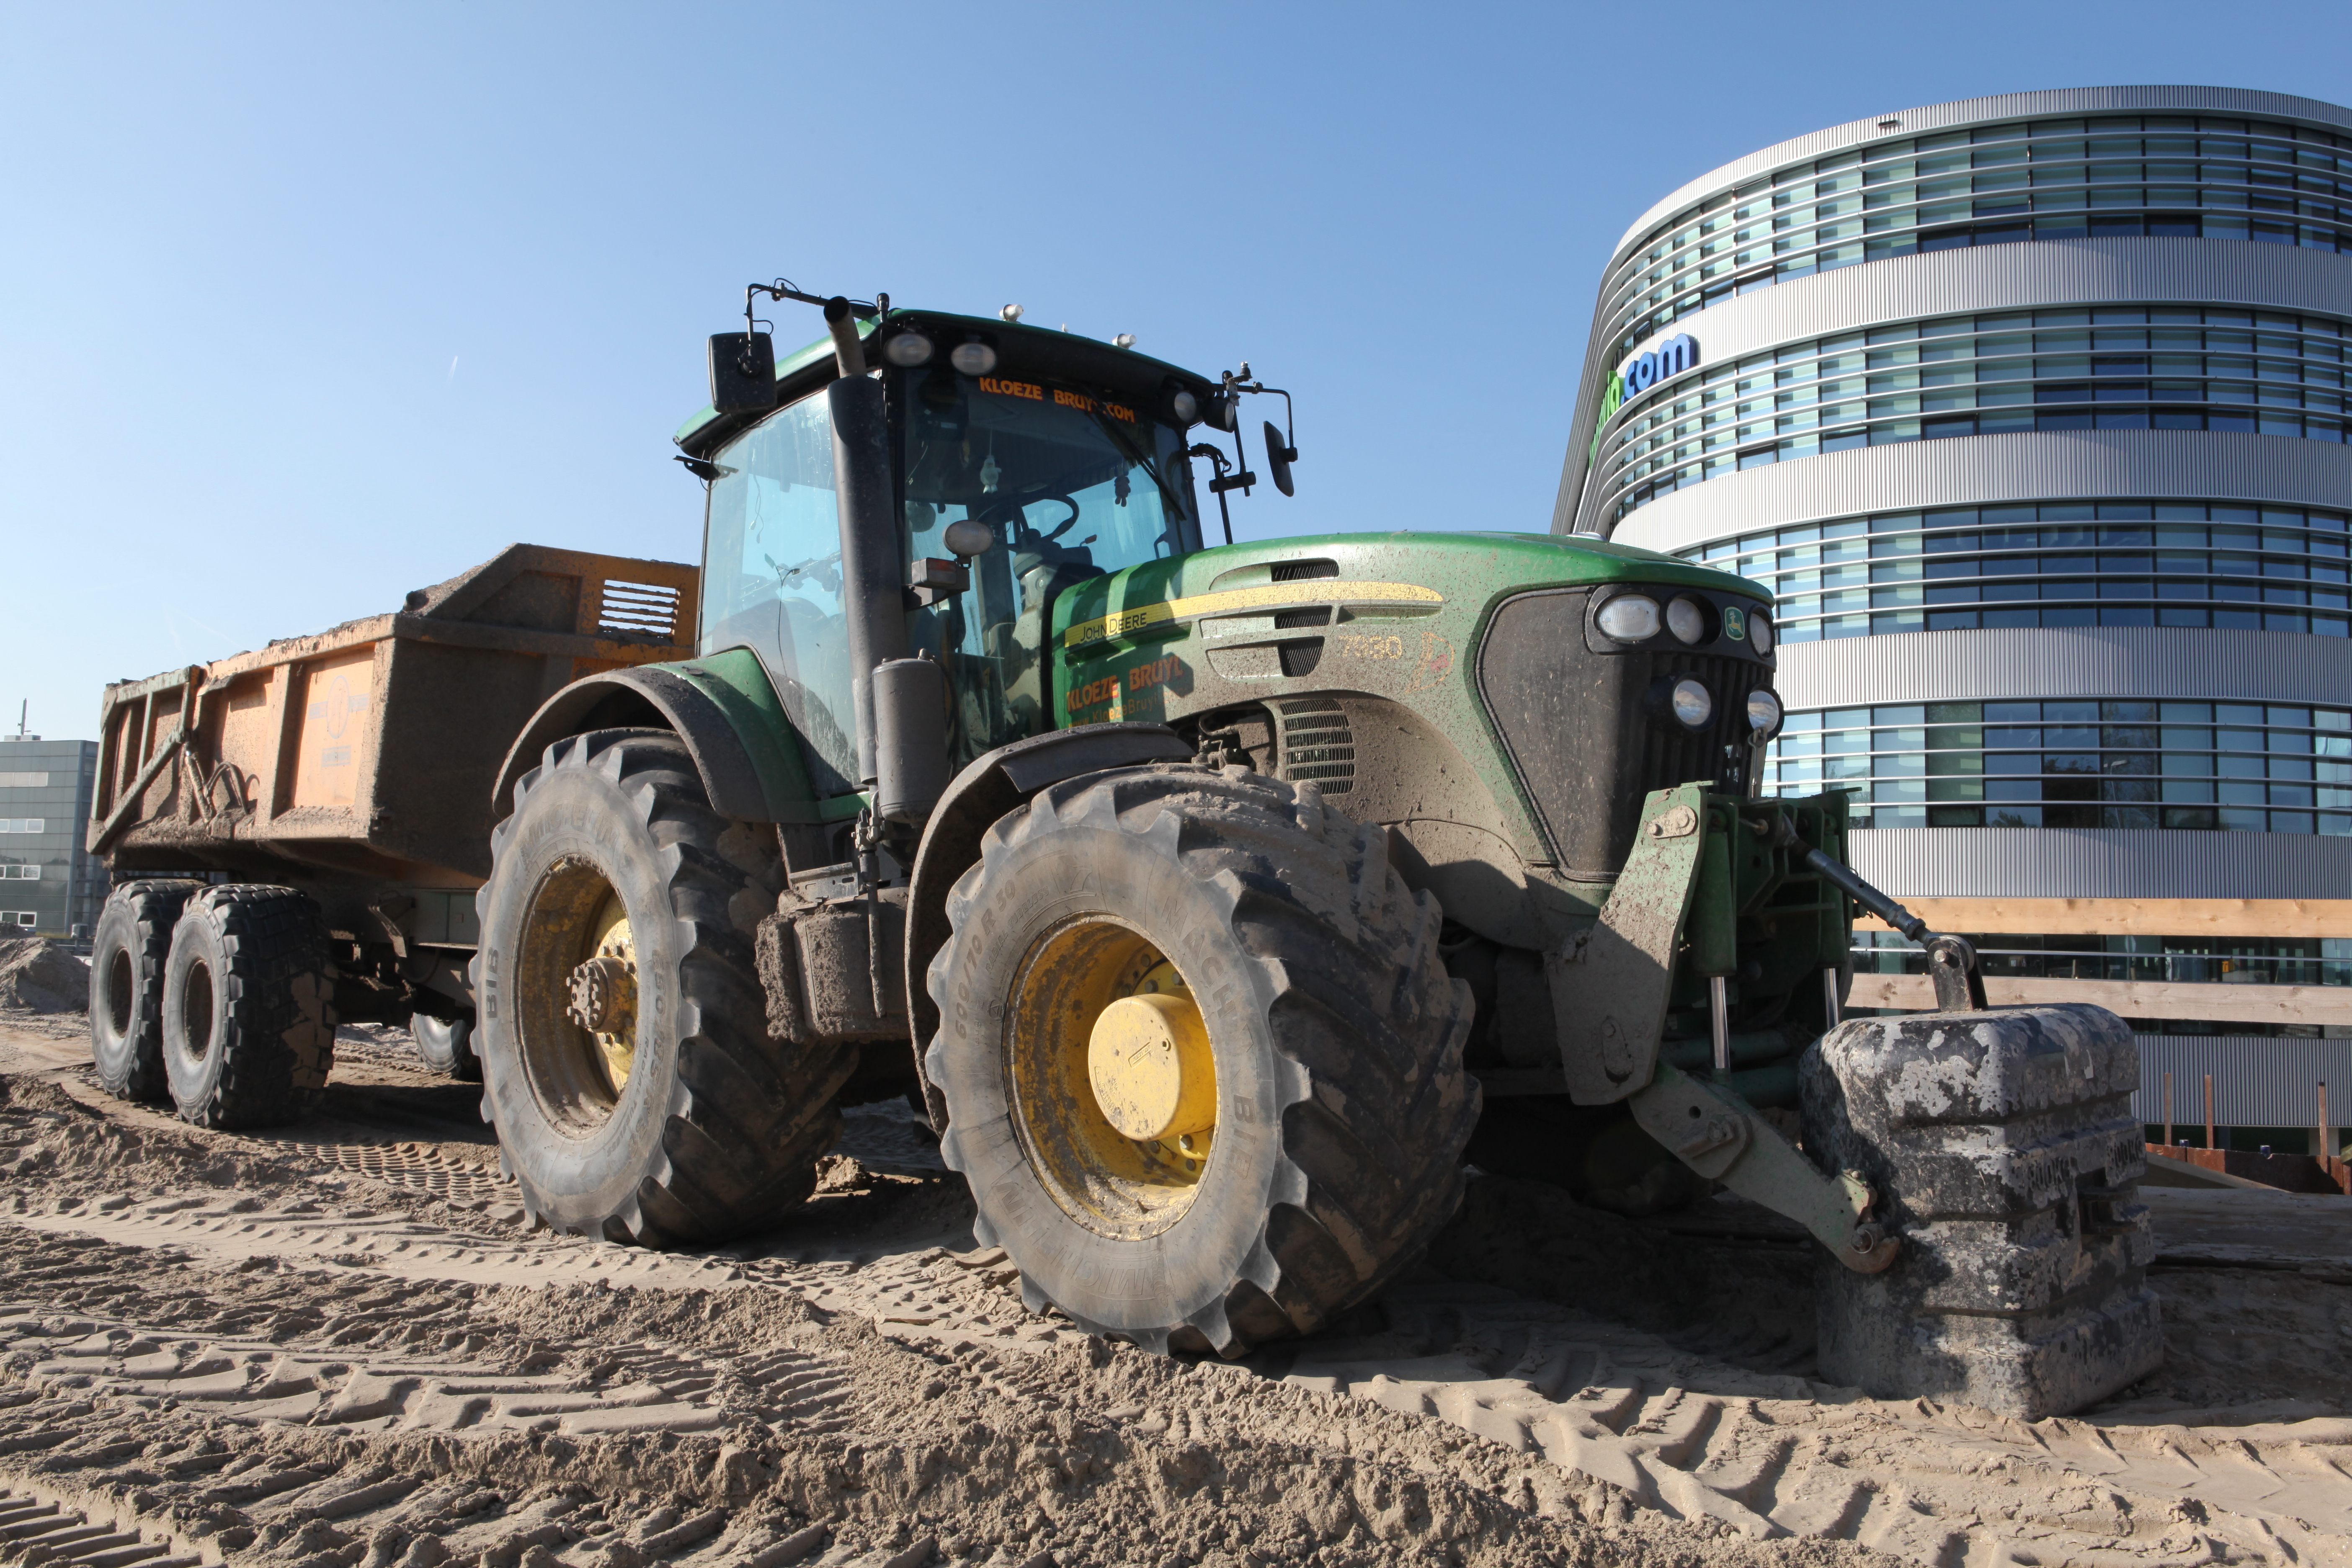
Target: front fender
{"x":986,"y":791}
{"x":722,"y":707}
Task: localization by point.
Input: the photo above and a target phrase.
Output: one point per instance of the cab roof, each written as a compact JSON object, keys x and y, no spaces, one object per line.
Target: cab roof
{"x":1021,"y":350}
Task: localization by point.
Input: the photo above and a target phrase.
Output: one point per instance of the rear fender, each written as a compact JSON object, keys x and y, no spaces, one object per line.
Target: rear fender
{"x":722,"y":707}
{"x":985,"y":792}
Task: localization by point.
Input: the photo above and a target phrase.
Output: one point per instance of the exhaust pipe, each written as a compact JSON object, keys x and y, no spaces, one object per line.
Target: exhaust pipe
{"x":847,"y":350}
{"x":900,"y":702}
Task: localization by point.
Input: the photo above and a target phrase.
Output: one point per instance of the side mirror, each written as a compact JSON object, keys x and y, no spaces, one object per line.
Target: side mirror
{"x":1278,"y":458}
{"x":743,"y":372}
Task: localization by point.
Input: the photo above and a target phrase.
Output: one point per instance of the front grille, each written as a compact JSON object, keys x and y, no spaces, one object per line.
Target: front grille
{"x":1672,"y":755}
{"x":1589,"y":731}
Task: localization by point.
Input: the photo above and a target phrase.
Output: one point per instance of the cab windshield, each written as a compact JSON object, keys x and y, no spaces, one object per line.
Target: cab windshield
{"x":1071,"y":484}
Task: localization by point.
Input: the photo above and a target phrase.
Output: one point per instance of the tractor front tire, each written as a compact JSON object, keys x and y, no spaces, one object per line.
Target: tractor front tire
{"x":1298,"y":1140}
{"x":248,"y":1010}
{"x":126,"y":987}
{"x":618,"y":897}
{"x":2005,"y":1153}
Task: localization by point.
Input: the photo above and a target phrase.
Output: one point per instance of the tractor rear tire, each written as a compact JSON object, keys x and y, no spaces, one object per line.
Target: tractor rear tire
{"x":686,"y":1122}
{"x":1339,"y":1100}
{"x":446,"y":1046}
{"x":248,"y":1010}
{"x":126,"y":987}
{"x":2004,"y":1152}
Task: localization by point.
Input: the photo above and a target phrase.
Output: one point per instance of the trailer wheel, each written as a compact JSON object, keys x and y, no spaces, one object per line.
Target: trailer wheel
{"x":2004,"y":1150}
{"x":446,"y":1046}
{"x":248,"y":1013}
{"x":1202,"y":1059}
{"x":126,"y":987}
{"x":623,"y":1032}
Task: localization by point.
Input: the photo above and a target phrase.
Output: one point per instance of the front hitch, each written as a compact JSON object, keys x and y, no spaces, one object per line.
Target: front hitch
{"x":1721,"y":1137}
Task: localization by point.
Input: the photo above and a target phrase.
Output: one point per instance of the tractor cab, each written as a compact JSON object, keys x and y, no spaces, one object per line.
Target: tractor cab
{"x":1022,"y":462}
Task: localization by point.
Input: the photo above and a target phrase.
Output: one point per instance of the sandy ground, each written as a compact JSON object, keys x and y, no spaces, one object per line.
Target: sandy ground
{"x":337,"y":1344}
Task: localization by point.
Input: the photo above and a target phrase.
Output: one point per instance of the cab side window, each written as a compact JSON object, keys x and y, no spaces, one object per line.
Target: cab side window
{"x":772,"y":579}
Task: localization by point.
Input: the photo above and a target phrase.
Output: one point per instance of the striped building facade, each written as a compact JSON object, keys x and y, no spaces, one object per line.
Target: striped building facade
{"x":2030,"y":410}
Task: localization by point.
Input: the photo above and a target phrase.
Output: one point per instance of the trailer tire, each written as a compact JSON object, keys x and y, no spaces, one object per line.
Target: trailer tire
{"x":446,"y":1046}
{"x":126,"y":987}
{"x":2004,"y":1150}
{"x":1341,"y":1106}
{"x":248,"y":1010}
{"x":687,"y":1122}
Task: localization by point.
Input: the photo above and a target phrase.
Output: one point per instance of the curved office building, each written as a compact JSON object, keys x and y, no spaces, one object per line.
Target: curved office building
{"x":2032,"y":411}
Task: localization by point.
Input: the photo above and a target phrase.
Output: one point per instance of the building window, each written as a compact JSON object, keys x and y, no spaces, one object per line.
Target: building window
{"x":18,"y":918}
{"x":2175,"y":176}
{"x":2211,"y":766}
{"x":2083,"y":368}
{"x":23,"y":824}
{"x":23,"y":781}
{"x":20,"y":873}
{"x":2162,"y":563}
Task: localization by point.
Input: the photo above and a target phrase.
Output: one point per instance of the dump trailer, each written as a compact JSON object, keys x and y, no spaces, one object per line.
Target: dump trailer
{"x":1215,"y":902}
{"x":296,"y":834}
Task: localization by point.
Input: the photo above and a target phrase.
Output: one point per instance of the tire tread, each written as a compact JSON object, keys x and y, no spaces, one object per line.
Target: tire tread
{"x":1361,"y":1001}
{"x":755,"y":1112}
{"x":135,"y":1071}
{"x":275,"y":1057}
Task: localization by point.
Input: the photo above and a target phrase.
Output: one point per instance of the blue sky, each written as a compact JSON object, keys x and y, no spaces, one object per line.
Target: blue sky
{"x":301,"y":308}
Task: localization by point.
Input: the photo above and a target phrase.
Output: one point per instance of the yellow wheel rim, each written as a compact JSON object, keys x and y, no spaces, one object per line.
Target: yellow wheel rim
{"x":1113,"y":1077}
{"x":575,"y":993}
{"x":604,"y":990}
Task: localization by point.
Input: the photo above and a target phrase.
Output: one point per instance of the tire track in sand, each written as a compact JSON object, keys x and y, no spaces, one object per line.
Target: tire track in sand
{"x":1770,"y":1455}
{"x":1627,"y":1422}
{"x":643,"y":1388}
{"x":1775,"y":1455}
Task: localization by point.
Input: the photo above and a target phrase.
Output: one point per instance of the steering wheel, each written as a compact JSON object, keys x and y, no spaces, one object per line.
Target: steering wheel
{"x":1067,"y":524}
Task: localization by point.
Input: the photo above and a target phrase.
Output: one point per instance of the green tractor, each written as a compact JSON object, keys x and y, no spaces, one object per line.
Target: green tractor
{"x":1218,"y":905}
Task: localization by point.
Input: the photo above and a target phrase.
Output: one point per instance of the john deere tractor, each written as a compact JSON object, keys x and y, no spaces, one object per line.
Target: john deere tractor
{"x":1217,"y":904}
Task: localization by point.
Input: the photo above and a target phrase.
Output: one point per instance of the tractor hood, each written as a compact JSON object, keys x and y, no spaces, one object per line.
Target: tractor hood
{"x":1405,"y":574}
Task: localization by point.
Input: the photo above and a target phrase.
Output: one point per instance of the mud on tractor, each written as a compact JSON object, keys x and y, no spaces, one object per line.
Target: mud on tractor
{"x":1218,"y":905}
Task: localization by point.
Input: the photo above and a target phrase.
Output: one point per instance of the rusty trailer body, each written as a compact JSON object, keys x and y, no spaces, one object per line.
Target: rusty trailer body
{"x":357,"y":764}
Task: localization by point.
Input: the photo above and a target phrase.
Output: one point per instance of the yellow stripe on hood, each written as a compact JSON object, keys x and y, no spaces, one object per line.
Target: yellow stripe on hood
{"x":1274,"y":596}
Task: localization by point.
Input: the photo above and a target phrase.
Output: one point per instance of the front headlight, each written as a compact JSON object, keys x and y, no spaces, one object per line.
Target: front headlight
{"x":907,"y":350}
{"x":974,"y":358}
{"x":1763,"y":711}
{"x":1629,"y":618}
{"x":1759,"y":633}
{"x":1692,"y":704}
{"x":1687,"y":621}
